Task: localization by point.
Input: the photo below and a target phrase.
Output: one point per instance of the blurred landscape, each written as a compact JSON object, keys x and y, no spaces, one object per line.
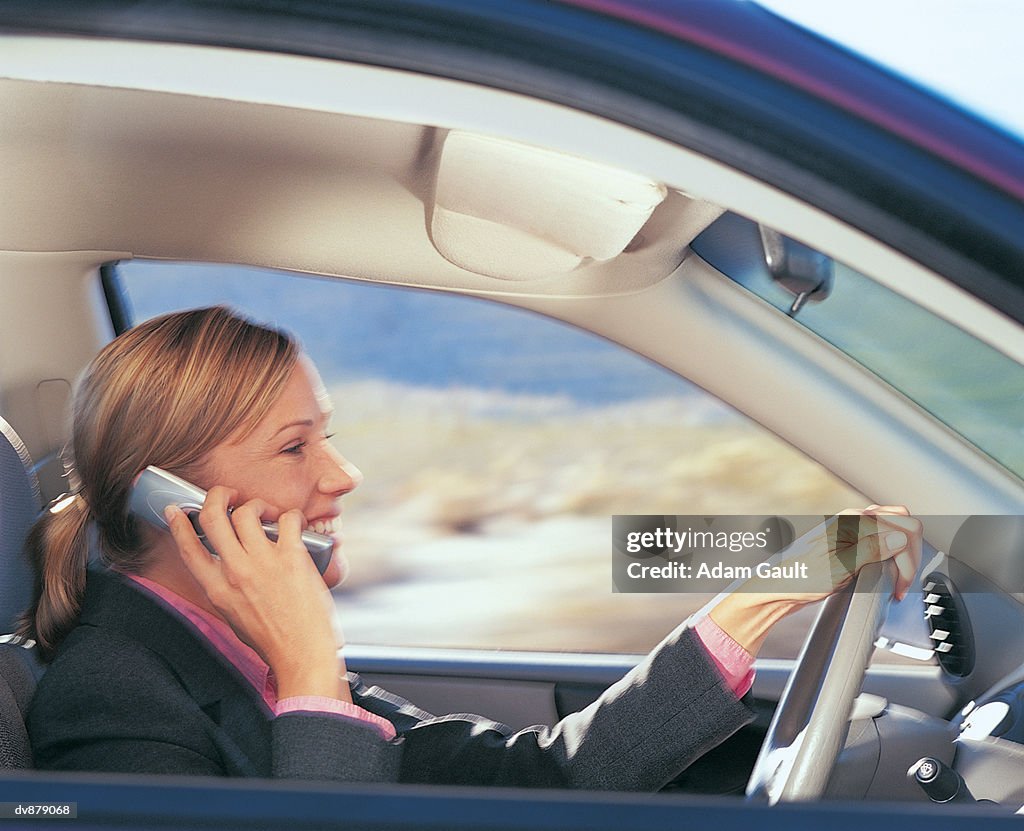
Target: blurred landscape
{"x":485,"y":519}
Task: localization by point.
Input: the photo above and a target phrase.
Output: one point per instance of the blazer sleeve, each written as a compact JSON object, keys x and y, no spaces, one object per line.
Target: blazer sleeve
{"x":313,"y":746}
{"x":639,"y":734}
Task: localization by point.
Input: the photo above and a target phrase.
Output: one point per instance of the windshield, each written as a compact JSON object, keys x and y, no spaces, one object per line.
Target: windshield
{"x":963,"y":382}
{"x":961,"y":51}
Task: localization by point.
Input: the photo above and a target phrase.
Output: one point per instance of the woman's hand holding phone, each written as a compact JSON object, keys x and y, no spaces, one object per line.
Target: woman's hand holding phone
{"x":270,"y":593}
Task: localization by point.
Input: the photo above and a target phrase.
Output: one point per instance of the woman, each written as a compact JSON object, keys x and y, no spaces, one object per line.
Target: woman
{"x":165,"y":659}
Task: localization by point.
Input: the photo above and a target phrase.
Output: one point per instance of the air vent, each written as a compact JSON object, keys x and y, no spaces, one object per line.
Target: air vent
{"x":949,"y":626}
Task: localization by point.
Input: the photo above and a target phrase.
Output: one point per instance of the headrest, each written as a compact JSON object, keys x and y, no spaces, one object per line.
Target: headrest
{"x":20,"y":504}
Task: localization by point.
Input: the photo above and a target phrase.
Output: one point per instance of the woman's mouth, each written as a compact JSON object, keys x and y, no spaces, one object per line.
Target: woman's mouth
{"x":327,"y":527}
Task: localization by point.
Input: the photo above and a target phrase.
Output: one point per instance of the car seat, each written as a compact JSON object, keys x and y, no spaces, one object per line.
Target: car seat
{"x":20,"y":504}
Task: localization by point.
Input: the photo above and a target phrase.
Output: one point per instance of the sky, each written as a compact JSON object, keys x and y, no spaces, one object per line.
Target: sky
{"x":965,"y":49}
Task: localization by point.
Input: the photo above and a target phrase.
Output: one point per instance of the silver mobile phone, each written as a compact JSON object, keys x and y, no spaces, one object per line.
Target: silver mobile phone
{"x":155,"y":489}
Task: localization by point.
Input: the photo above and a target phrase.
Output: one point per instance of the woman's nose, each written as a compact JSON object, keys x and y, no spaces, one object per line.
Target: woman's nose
{"x":339,"y":475}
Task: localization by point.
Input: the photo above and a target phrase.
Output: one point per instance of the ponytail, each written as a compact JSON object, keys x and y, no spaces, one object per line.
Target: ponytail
{"x":58,"y":546}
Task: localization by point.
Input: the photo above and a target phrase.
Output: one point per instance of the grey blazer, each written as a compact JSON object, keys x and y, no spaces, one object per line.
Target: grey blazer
{"x":133,"y":689}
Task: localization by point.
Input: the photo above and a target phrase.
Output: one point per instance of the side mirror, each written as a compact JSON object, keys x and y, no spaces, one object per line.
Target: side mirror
{"x":803,"y":272}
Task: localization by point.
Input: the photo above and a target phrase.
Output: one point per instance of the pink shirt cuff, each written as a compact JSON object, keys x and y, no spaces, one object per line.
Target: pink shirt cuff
{"x":332,"y":706}
{"x":732,"y":660}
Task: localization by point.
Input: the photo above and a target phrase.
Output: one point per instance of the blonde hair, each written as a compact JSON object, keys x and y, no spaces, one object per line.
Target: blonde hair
{"x":164,"y":393}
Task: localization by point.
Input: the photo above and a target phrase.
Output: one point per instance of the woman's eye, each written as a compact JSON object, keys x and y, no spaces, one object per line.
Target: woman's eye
{"x":295,"y":449}
{"x":329,"y":436}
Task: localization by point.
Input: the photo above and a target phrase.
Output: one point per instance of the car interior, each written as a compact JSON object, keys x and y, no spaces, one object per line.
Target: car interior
{"x":120,"y":150}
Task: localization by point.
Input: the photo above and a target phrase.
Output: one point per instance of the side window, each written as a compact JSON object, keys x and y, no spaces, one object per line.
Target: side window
{"x":496,"y":446}
{"x":982,"y":405}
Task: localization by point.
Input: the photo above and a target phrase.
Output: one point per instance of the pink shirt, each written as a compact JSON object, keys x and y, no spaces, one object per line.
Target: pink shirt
{"x":731,"y":659}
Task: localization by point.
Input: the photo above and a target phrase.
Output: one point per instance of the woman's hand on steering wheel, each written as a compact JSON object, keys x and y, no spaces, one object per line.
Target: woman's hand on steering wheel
{"x":829,"y":556}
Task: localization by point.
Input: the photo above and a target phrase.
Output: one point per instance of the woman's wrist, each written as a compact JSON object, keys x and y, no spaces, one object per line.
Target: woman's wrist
{"x":320,"y":678}
{"x":747,"y":617}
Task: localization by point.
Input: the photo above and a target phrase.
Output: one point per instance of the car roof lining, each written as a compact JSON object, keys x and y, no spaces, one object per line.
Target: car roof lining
{"x":399,"y":97}
{"x":265,"y":185}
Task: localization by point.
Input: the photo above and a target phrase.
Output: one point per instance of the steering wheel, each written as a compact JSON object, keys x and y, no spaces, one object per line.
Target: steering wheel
{"x":812,"y":719}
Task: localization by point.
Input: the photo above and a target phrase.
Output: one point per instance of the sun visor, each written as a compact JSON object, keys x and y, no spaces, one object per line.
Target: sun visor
{"x":517,"y":212}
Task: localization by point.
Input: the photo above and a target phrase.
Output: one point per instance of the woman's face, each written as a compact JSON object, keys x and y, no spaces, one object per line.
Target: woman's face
{"x":287,"y":461}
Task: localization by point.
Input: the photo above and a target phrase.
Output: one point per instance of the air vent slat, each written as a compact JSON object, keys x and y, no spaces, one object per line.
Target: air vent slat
{"x":949,"y":625}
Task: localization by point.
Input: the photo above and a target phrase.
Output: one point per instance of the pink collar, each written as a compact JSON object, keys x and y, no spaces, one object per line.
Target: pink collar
{"x":245,"y":659}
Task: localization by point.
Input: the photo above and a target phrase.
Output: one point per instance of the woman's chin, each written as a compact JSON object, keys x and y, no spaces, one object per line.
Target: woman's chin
{"x":337,"y":569}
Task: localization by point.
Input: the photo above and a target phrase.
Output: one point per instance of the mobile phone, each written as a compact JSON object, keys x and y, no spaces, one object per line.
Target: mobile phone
{"x":154,"y":489}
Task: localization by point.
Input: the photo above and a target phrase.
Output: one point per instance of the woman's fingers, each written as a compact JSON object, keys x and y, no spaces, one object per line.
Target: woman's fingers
{"x":907,"y":567}
{"x":875,"y":534}
{"x":907,"y":555}
{"x":247,"y":524}
{"x":289,"y":536}
{"x":899,"y":540}
{"x":290,"y":525}
{"x":245,"y":521}
{"x":215,"y":522}
{"x":194,"y":554}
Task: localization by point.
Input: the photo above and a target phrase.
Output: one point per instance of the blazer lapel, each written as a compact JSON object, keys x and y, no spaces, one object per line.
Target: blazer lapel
{"x":241,"y":717}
